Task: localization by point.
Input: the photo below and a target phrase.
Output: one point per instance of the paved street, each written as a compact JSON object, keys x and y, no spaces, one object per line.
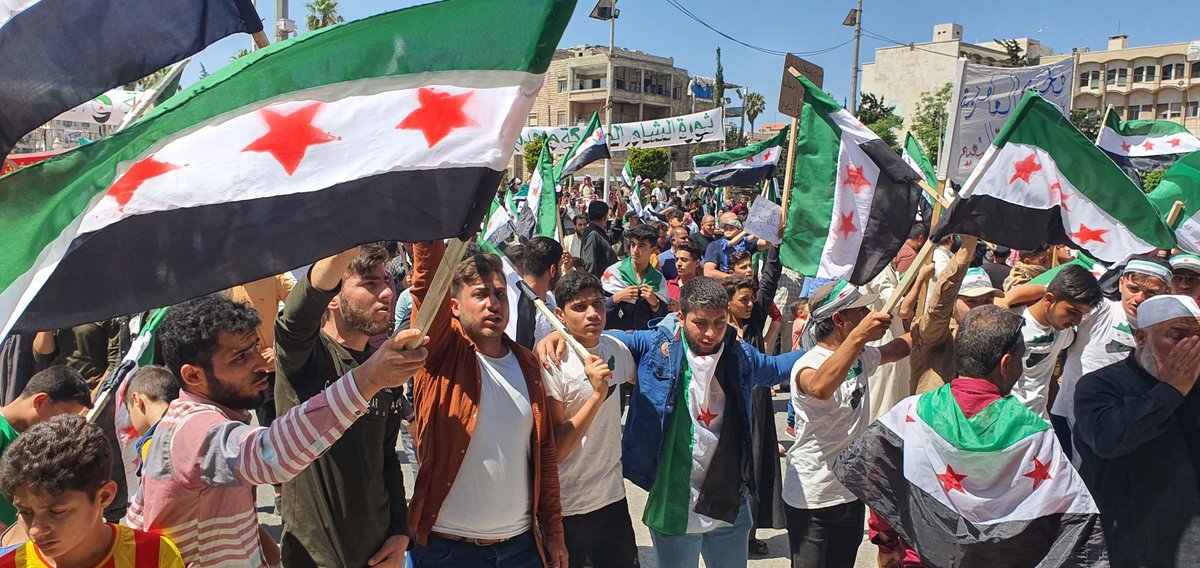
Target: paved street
{"x":776,"y":539}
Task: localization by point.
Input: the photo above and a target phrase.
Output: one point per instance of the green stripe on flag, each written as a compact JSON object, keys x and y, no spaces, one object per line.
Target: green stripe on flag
{"x":814,"y":175}
{"x":913,"y":149}
{"x":547,"y":211}
{"x":43,"y":200}
{"x":999,"y":425}
{"x":1083,"y":260}
{"x":1141,"y":127}
{"x":739,"y":154}
{"x":669,"y":502}
{"x":1180,"y":183}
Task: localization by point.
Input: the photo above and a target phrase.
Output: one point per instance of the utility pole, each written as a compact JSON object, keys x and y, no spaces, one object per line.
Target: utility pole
{"x":606,"y":10}
{"x":854,"y":19}
{"x":283,"y":26}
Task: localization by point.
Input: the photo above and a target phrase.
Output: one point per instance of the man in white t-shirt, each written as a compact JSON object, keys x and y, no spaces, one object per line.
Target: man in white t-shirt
{"x":1049,"y":329}
{"x":831,"y":398}
{"x":587,"y":428}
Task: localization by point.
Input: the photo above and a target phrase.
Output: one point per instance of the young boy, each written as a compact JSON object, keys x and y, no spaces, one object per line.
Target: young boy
{"x":57,"y":475}
{"x":151,"y":390}
{"x":587,"y":426}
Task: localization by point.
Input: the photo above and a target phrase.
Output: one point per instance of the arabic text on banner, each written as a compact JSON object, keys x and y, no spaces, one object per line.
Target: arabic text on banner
{"x":703,"y":126}
{"x":987,"y":96}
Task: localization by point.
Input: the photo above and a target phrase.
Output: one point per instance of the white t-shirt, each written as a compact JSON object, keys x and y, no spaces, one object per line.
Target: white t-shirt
{"x":823,"y":429}
{"x":491,"y":497}
{"x":1042,"y":346}
{"x":706,"y":405}
{"x":590,"y":478}
{"x":1103,"y":337}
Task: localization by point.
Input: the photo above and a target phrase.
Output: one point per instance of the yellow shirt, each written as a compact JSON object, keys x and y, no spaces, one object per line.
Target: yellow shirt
{"x":129,"y":549}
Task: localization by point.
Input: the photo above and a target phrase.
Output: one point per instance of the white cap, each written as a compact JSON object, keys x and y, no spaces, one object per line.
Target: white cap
{"x":1164,"y":308}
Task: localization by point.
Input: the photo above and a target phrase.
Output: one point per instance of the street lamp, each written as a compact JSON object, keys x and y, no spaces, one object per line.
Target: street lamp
{"x":606,"y":10}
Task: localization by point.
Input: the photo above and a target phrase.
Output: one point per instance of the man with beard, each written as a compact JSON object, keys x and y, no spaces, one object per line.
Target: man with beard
{"x":1138,"y":436}
{"x":199,"y":475}
{"x":321,"y":335}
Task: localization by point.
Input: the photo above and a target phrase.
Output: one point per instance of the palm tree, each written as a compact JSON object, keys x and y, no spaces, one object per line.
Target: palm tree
{"x":754,"y":104}
{"x":323,"y":13}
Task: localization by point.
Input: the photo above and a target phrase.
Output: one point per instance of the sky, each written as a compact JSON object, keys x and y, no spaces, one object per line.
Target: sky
{"x":799,"y":26}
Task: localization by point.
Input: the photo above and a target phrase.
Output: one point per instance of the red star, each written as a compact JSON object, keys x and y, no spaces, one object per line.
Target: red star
{"x":1125,"y":147}
{"x":750,"y":159}
{"x":1147,"y":145}
{"x":1056,"y":190}
{"x":855,"y":179}
{"x":847,"y":225}
{"x":1086,"y":235}
{"x":1174,"y":142}
{"x":951,"y":480}
{"x":438,"y":114}
{"x":1040,"y":473}
{"x":129,"y":183}
{"x":289,"y":136}
{"x":908,"y":418}
{"x":706,"y":417}
{"x":1025,"y":168}
{"x":767,"y":156}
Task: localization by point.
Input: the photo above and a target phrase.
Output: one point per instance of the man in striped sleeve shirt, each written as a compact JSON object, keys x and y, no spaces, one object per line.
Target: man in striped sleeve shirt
{"x":199,"y":476}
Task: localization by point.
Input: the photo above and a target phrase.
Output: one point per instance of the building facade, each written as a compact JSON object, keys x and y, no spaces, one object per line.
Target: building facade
{"x":644,"y":87}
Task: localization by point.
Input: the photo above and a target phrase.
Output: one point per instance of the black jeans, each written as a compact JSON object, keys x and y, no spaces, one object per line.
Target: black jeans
{"x":605,"y":536}
{"x":827,"y":537}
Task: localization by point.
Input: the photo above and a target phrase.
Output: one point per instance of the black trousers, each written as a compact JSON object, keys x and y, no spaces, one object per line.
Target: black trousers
{"x":825,"y":538}
{"x":605,"y":536}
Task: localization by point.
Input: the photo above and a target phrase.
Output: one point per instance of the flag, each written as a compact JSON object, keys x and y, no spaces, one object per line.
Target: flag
{"x":269,"y":164}
{"x":58,"y":54}
{"x":915,"y":156}
{"x":165,"y":88}
{"x":1042,"y":181}
{"x":1182,"y":183}
{"x":591,"y":147}
{"x":627,"y":174}
{"x":540,"y":213}
{"x":853,"y":200}
{"x":1144,"y":145}
{"x":497,"y":228}
{"x":635,"y":199}
{"x":743,"y":167}
{"x":995,"y":489}
{"x":623,"y":274}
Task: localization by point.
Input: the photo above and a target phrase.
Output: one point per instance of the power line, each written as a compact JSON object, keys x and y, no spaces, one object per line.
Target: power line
{"x":909,"y":45}
{"x":675,"y":4}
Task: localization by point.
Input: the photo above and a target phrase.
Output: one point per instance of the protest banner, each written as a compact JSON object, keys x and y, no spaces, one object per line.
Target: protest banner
{"x":703,"y":126}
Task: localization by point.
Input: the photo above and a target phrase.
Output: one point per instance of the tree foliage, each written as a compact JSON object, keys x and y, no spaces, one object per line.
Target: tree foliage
{"x":929,"y":123}
{"x":719,"y":87}
{"x":881,"y":118}
{"x":239,"y":54}
{"x":650,"y":163}
{"x":322,"y":14}
{"x":1016,"y":55}
{"x":147,"y":82}
{"x":1087,"y":120}
{"x":1151,"y":179}
{"x":734,"y":138}
{"x":754,"y":104}
{"x":533,"y":151}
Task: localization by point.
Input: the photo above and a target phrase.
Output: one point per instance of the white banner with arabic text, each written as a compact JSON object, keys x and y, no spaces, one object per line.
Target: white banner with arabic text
{"x":704,"y":126}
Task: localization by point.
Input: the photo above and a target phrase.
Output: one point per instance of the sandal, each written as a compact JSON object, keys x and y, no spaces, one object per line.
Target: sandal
{"x":758,"y":547}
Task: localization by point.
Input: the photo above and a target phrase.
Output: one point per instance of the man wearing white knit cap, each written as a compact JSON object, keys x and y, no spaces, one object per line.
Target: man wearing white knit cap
{"x":1137,"y":430}
{"x":1185,"y":279}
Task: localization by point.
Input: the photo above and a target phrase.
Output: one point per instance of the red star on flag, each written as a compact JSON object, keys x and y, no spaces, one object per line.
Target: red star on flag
{"x":289,"y":136}
{"x":1040,"y":473}
{"x":847,"y":225}
{"x":1025,"y":168}
{"x":1174,"y":142}
{"x":1147,"y":145}
{"x":133,"y":179}
{"x":951,"y":480}
{"x":909,"y":418}
{"x":1125,"y":147}
{"x":1056,"y":191}
{"x":438,"y":114}
{"x":767,"y":156}
{"x":854,"y":178}
{"x":706,"y":417}
{"x":1086,"y":235}
{"x":750,"y":159}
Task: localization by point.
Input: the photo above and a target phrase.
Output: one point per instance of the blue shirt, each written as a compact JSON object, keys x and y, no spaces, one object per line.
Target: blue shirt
{"x":719,"y":251}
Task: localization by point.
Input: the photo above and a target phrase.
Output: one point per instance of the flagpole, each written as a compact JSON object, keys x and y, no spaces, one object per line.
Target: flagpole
{"x":1173,"y":215}
{"x":1103,"y":121}
{"x":437,"y":289}
{"x":553,"y":321}
{"x":909,"y":278}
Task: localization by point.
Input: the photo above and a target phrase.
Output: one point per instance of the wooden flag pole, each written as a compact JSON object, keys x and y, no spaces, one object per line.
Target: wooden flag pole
{"x":791,"y":161}
{"x":1173,"y":215}
{"x":553,"y":321}
{"x":1103,"y":120}
{"x":260,"y":39}
{"x":936,"y":195}
{"x":923,"y":290}
{"x":910,"y":277}
{"x":437,"y":289}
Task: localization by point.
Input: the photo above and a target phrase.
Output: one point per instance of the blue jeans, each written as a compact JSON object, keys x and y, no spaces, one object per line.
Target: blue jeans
{"x":723,"y":548}
{"x":517,"y":552}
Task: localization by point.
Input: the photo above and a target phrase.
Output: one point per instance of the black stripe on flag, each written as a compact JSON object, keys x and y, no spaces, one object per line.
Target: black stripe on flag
{"x":1133,"y":166}
{"x":158,"y":259}
{"x":59,"y":54}
{"x":586,"y":156}
{"x":737,"y":177}
{"x":1004,"y":223}
{"x":872,"y":467}
{"x":893,"y":212}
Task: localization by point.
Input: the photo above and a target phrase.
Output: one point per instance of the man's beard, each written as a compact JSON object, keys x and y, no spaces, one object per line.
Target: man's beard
{"x":222,"y":393}
{"x":360,"y":320}
{"x":1145,"y":358}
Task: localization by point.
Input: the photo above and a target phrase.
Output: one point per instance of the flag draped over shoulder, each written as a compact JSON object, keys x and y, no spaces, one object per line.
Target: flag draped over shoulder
{"x":591,"y":147}
{"x":1042,"y":181}
{"x":853,"y":200}
{"x":540,"y":213}
{"x":1143,"y":145}
{"x":743,"y":167}
{"x":58,"y":54}
{"x":622,"y":274}
{"x":1182,"y":183}
{"x":992,"y":490}
{"x":268,"y":163}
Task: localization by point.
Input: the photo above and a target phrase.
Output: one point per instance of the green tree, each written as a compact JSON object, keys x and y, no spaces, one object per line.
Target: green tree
{"x":650,"y":163}
{"x":1087,"y":120}
{"x":1016,"y":55}
{"x":929,"y":123}
{"x":533,"y":151}
{"x":322,"y":14}
{"x":1151,"y":179}
{"x":203,"y":71}
{"x":734,"y":138}
{"x":719,"y":87}
{"x":755,"y":104}
{"x":881,"y":118}
{"x":239,"y":54}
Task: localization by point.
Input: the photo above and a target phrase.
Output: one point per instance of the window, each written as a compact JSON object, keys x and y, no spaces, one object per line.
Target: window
{"x":1111,"y":79}
{"x":1172,"y":71}
{"x":1122,"y":77}
{"x":1139,"y":74}
{"x":1095,"y":81}
{"x":1161,"y":111}
{"x":560,"y":118}
{"x":1193,"y":109}
{"x":532,"y":119}
{"x":1175,"y":110}
{"x":562,"y":85}
{"x":1196,"y":70}
{"x":1083,"y":80}
{"x":1133,"y":111}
